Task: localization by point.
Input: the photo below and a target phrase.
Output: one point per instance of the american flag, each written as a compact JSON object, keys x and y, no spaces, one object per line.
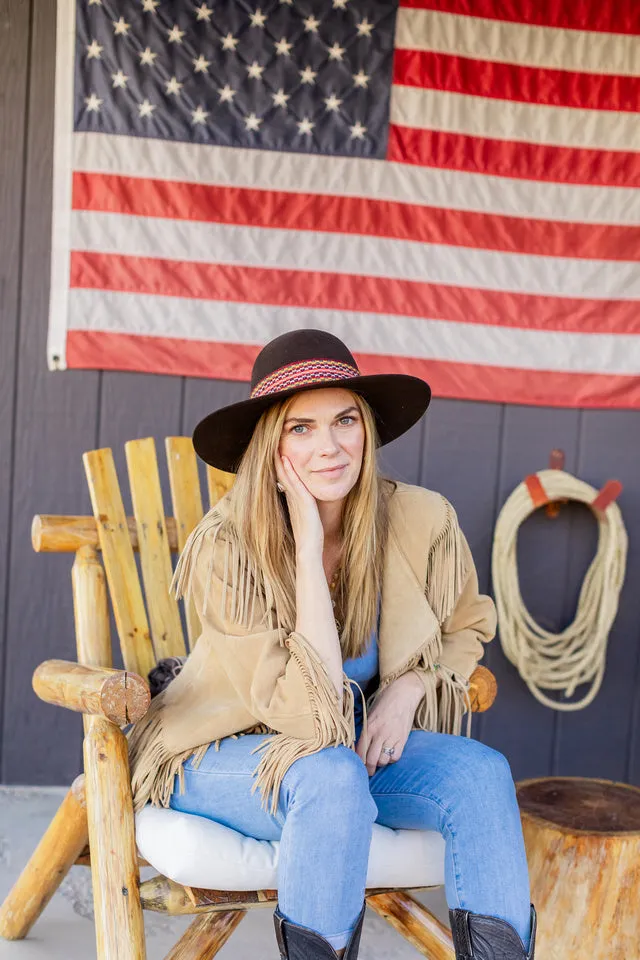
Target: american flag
{"x":450,"y":186}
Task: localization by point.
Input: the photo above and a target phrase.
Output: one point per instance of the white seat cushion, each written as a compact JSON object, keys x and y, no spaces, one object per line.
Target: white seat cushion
{"x":198,"y":852}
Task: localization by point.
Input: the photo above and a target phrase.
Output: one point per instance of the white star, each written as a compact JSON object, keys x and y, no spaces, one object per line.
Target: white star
{"x":201,"y":65}
{"x":119,"y":79}
{"x":360,"y":79}
{"x":358,"y":131}
{"x":255,"y":71}
{"x":332,"y":102}
{"x":173,"y":86}
{"x":305,"y":125}
{"x":340,"y":4}
{"x":199,"y":115}
{"x":175,"y":34}
{"x":280,"y":98}
{"x":283,"y":47}
{"x":311,"y":25}
{"x":93,"y":102}
{"x":307,"y":75}
{"x":145,"y":108}
{"x":229,"y":42}
{"x":203,"y":12}
{"x":252,"y":122}
{"x":147,"y":57}
{"x":226,"y":94}
{"x":364,"y":28}
{"x":94,"y":50}
{"x":149,"y":6}
{"x":258,"y":19}
{"x":120,"y":27}
{"x":335,"y":52}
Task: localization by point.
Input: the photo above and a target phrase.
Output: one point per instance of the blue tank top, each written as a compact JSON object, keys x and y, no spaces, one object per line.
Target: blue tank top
{"x":364,"y":669}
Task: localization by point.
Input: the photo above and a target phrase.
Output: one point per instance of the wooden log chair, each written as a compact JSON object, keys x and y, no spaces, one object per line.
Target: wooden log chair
{"x":204,"y":869}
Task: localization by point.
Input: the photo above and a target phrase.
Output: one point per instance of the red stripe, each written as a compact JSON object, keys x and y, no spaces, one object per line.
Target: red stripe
{"x":510,"y":81}
{"x":609,"y":16}
{"x":352,"y":215}
{"x":506,"y":158}
{"x":330,"y":291}
{"x":114,"y":351}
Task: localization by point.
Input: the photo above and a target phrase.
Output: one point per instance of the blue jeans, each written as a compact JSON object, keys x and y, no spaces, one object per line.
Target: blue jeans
{"x":328,"y":805}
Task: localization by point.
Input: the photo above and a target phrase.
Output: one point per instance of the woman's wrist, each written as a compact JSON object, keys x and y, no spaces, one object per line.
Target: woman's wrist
{"x":413,"y":685}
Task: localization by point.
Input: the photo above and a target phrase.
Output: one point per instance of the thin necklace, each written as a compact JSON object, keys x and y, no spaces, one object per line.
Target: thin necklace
{"x":332,"y":587}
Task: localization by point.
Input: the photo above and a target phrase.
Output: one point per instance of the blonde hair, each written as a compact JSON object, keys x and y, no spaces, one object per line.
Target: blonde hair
{"x":260,"y":522}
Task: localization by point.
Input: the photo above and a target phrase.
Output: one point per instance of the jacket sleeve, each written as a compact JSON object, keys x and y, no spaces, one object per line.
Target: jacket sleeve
{"x":277,"y":675}
{"x":470,"y":625}
{"x":467,"y":621}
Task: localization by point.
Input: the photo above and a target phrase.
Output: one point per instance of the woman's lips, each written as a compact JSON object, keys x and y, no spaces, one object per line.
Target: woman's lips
{"x":330,"y":471}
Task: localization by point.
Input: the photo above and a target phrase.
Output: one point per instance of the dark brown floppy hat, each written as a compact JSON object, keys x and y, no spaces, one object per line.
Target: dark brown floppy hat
{"x":306,"y":360}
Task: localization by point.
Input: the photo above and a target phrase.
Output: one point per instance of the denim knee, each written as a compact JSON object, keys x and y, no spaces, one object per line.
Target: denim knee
{"x":334,"y":777}
{"x":482,"y":765}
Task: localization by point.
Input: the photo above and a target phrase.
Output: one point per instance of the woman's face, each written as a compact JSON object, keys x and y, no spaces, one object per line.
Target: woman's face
{"x":323,"y":437}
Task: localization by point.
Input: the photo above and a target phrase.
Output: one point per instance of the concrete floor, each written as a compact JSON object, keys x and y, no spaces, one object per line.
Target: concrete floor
{"x":65,"y":930}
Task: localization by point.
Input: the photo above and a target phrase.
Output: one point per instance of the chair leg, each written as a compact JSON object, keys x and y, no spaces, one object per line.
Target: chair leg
{"x":206,"y":936}
{"x":115,"y":873}
{"x":50,"y":862}
{"x":415,"y":923}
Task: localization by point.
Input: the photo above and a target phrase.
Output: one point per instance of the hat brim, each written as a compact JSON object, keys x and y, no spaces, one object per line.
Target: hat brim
{"x":397,"y":400}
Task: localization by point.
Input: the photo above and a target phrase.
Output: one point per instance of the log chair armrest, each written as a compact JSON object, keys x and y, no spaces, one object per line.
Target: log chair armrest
{"x":117,"y":695}
{"x":483,"y":688}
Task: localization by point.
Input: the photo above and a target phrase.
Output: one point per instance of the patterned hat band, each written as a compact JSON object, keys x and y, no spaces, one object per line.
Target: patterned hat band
{"x":304,"y":373}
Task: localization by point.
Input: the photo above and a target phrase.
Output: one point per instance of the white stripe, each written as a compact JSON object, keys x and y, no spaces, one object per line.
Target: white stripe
{"x":585,"y":51}
{"x":508,"y":120}
{"x":345,"y":177}
{"x":353,"y":254}
{"x":62,"y":184}
{"x":368,"y":333}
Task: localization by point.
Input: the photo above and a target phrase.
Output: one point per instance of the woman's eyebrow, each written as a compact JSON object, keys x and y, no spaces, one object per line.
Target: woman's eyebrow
{"x":343,"y":413}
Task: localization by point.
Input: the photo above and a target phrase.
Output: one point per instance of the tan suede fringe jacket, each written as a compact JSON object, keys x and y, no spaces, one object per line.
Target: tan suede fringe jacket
{"x":250,"y":673}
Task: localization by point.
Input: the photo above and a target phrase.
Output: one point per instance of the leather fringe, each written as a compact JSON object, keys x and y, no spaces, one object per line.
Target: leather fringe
{"x":447,"y":567}
{"x":238,"y":601}
{"x":335,"y":725}
{"x":152,"y":767}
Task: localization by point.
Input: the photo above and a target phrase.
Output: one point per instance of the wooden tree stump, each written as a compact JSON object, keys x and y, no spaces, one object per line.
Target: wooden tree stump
{"x":582,"y":838}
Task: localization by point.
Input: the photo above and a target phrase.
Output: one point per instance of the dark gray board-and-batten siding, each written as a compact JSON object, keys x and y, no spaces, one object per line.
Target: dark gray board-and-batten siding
{"x":473,"y":453}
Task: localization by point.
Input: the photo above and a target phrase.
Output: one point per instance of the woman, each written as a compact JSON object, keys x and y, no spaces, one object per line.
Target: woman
{"x":340,"y":618}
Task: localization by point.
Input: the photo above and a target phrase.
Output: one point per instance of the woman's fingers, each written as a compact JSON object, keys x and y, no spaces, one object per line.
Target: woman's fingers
{"x":373,"y":754}
{"x":376,"y":758}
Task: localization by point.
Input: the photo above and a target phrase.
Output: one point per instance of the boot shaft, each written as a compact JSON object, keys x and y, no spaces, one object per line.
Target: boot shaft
{"x":477,"y":937}
{"x":300,"y":943}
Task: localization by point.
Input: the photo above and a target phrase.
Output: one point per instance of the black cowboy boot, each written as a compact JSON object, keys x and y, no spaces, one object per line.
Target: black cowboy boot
{"x":476,"y":937}
{"x":300,"y":943}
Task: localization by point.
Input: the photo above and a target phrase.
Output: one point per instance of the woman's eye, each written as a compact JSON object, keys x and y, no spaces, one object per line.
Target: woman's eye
{"x":349,"y":418}
{"x":298,"y":426}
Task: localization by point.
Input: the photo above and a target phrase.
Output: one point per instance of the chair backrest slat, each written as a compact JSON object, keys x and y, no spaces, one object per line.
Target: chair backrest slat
{"x":119,"y":562}
{"x":219,"y":482}
{"x":186,"y":500}
{"x":155,"y":555}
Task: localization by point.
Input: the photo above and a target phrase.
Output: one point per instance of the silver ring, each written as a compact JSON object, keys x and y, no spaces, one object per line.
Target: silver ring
{"x":389,"y":751}
{"x":280,"y":487}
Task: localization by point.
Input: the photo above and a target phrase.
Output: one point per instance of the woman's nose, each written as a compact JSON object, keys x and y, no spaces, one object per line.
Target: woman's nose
{"x":327,"y":441}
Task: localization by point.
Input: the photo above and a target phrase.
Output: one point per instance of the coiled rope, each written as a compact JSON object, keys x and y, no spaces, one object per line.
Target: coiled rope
{"x":577,"y":655}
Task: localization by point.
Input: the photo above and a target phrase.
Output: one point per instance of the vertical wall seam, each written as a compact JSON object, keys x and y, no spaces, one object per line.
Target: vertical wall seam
{"x":14,"y":410}
{"x":183,"y":401}
{"x":566,"y":612}
{"x":489,"y":655}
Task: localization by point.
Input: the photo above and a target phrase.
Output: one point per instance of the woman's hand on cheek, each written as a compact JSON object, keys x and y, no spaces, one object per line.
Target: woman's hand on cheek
{"x":303,"y":509}
{"x":390,"y":721}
